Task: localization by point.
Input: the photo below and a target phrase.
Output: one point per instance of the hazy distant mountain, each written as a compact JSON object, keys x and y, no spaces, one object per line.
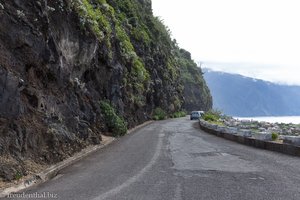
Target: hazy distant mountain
{"x":237,"y":95}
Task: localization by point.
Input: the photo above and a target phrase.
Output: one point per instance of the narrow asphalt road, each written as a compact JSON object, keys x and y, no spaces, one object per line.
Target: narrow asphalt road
{"x":174,"y":159}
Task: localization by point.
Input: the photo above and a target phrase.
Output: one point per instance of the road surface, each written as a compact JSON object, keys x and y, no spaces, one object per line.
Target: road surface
{"x":174,"y":159}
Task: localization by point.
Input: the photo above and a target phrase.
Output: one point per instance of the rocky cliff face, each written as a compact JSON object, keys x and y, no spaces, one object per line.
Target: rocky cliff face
{"x":60,"y":58}
{"x":196,"y":93}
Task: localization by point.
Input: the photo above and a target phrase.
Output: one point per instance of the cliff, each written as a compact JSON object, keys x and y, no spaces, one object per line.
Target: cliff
{"x":196,"y":92}
{"x":60,"y":59}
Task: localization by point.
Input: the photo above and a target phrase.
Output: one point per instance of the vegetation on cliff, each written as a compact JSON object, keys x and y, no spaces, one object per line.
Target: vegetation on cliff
{"x":196,"y":93}
{"x":116,"y":124}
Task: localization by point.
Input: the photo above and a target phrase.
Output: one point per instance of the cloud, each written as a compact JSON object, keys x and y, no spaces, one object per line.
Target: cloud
{"x":273,"y":73}
{"x":263,"y":32}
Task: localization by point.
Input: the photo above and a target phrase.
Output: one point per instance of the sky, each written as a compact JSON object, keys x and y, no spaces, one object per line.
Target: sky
{"x":256,"y":38}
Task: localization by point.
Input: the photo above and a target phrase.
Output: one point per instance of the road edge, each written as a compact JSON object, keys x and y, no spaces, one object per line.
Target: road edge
{"x":51,"y":172}
{"x":284,"y":148}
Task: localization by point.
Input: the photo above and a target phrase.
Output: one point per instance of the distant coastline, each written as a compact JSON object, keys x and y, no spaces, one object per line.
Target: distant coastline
{"x":273,"y":119}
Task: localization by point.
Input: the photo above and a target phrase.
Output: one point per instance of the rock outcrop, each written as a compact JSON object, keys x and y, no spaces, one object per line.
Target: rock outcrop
{"x":60,"y":58}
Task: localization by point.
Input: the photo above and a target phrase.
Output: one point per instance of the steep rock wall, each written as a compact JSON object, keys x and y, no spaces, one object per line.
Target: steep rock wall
{"x":59,"y":59}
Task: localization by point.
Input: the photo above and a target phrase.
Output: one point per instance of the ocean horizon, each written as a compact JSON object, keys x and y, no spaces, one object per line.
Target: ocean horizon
{"x":273,"y":119}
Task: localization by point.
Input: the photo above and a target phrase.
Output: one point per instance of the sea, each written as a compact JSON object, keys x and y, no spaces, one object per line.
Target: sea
{"x":279,"y":119}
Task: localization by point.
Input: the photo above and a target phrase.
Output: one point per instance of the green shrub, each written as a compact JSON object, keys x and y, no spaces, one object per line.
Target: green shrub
{"x":155,"y":117}
{"x":18,"y":175}
{"x":141,"y":34}
{"x":127,"y":48}
{"x":159,"y":114}
{"x":114,"y":123}
{"x":209,"y":117}
{"x":212,"y":115}
{"x":179,"y":114}
{"x":274,"y":136}
{"x":139,"y":72}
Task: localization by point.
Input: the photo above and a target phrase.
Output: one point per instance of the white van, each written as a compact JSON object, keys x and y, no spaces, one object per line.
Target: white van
{"x":196,"y":114}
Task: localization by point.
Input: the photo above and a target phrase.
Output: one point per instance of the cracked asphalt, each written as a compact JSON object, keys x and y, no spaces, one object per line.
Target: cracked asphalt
{"x":174,"y":159}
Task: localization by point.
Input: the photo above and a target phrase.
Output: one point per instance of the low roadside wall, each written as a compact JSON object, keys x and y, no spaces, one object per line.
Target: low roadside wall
{"x":247,"y":138}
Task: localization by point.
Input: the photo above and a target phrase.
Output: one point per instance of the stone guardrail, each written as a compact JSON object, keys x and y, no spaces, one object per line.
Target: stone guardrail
{"x":263,"y":140}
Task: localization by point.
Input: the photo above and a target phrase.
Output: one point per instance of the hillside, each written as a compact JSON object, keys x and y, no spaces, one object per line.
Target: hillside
{"x":237,"y":95}
{"x":196,"y":93}
{"x":71,"y":70}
